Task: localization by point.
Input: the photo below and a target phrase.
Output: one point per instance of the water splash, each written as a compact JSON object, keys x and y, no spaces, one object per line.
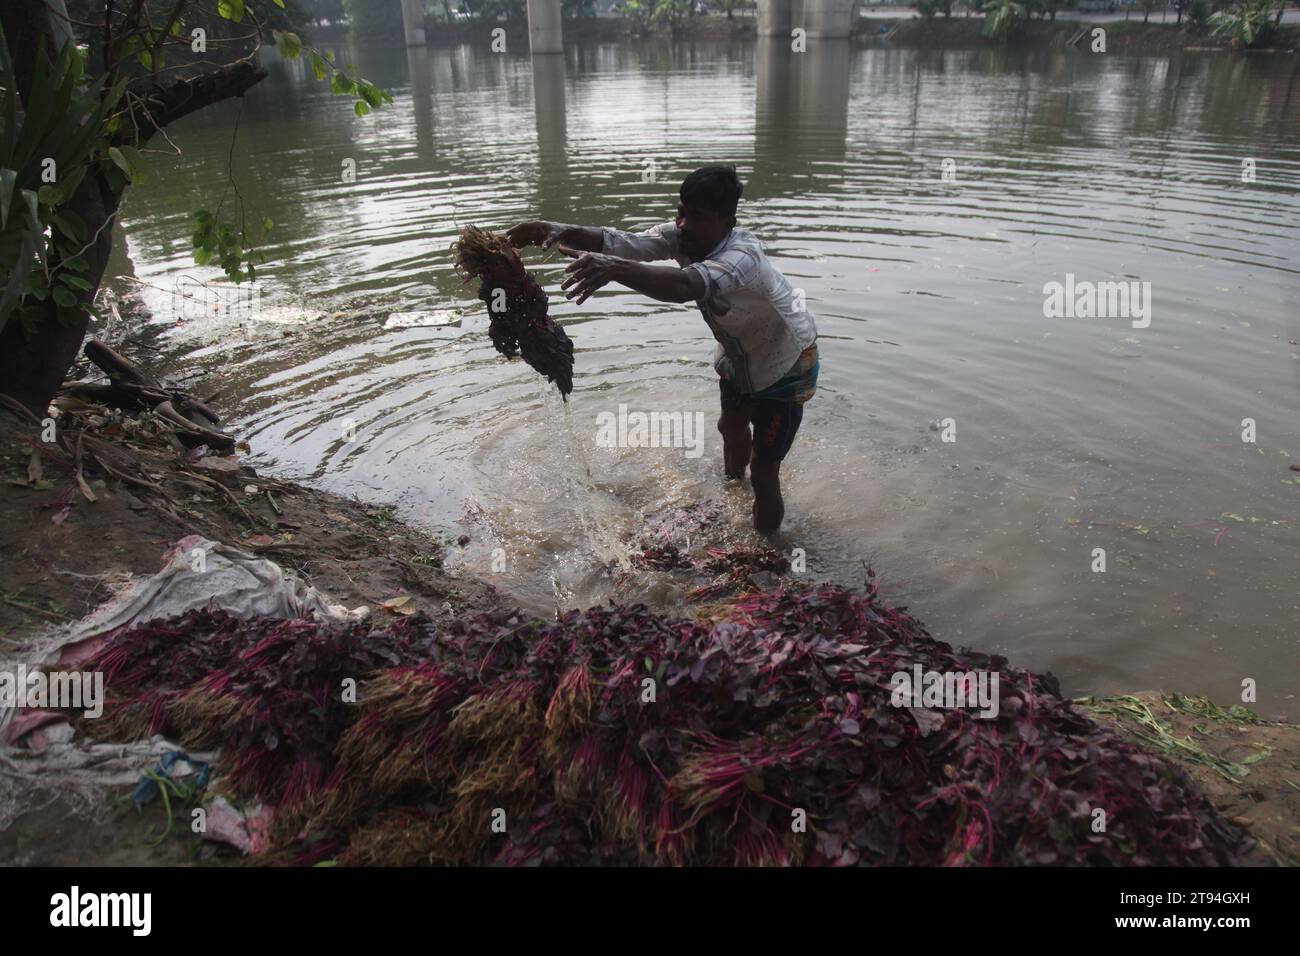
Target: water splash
{"x":598,"y":516}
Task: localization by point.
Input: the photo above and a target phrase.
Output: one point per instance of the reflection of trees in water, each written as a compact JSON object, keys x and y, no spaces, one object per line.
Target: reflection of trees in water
{"x":1042,"y":97}
{"x":659,"y":55}
{"x":1249,"y":97}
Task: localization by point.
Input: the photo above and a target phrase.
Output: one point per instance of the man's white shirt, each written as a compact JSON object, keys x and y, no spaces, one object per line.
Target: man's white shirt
{"x":748,"y":304}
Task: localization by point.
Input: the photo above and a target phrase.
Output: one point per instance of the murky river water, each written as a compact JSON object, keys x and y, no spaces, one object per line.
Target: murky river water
{"x":1071,"y":433}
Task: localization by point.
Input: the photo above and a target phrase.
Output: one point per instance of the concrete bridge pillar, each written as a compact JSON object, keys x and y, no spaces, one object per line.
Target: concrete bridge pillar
{"x":775,"y":18}
{"x":545,"y":29}
{"x":413,"y":22}
{"x":818,"y":18}
{"x":829,"y":18}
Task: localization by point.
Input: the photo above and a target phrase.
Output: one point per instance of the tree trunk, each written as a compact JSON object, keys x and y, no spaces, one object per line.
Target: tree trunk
{"x":32,"y":369}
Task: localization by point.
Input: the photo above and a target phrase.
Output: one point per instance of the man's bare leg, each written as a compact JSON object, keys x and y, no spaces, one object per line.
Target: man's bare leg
{"x":737,"y":442}
{"x":769,"y":508}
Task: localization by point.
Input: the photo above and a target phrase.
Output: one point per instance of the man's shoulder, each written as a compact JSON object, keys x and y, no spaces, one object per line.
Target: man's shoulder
{"x":741,"y":243}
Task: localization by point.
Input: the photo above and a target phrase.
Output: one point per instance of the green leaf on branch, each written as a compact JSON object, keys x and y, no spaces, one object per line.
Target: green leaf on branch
{"x":115,"y":154}
{"x":360,"y":108}
{"x":372,"y":94}
{"x":71,"y":181}
{"x":319,"y":66}
{"x":127,"y":159}
{"x":218,"y":242}
{"x":342,"y":83}
{"x":289,"y":45}
{"x":50,"y":195}
{"x":231,"y":10}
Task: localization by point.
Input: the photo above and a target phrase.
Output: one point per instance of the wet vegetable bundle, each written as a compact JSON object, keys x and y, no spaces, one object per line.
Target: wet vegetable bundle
{"x":614,"y":735}
{"x":522,"y":327}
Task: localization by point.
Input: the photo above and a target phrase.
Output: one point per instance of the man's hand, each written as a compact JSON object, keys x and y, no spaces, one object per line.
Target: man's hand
{"x":535,"y":233}
{"x":591,"y":270}
{"x":588,"y":272}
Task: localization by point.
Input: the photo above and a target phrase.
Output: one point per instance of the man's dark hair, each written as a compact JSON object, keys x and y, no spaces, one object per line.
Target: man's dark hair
{"x":715,"y":188}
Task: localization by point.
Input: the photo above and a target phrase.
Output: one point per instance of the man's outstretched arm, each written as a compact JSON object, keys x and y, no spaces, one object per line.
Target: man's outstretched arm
{"x":539,"y":232}
{"x":591,"y":270}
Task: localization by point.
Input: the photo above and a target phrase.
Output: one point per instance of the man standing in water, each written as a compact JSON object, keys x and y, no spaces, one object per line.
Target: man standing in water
{"x":766,"y":355}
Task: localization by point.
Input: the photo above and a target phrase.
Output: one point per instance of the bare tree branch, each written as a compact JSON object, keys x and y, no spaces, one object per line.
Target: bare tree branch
{"x":163,"y":106}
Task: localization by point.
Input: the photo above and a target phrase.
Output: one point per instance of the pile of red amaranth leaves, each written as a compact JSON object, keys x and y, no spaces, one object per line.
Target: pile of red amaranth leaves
{"x":523,"y":327}
{"x":785,"y":706}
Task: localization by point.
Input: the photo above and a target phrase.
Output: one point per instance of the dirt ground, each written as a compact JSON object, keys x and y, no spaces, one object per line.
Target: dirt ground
{"x":60,"y":834}
{"x":56,"y":572}
{"x":1250,"y":771}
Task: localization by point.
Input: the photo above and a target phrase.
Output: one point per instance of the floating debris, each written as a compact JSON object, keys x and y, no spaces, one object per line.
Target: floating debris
{"x":410,"y":320}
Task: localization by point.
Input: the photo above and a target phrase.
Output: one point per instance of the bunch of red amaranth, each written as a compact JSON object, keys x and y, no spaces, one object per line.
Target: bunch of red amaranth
{"x":522,"y":327}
